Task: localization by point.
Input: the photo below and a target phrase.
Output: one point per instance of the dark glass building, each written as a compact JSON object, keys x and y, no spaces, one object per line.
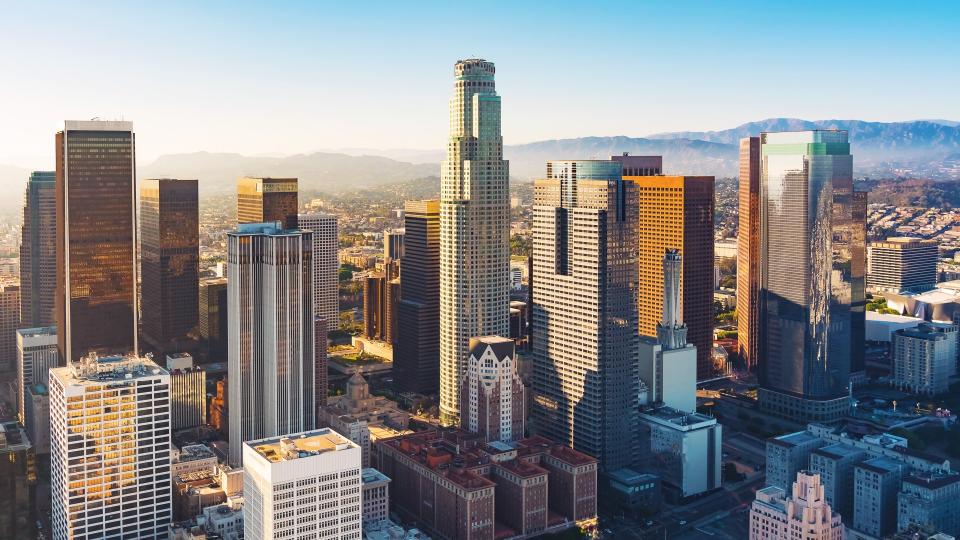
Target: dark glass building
{"x":416,"y":354}
{"x":261,"y":200}
{"x":213,"y":318}
{"x":38,"y":250}
{"x":96,"y":298}
{"x":169,"y":263}
{"x":808,"y":274}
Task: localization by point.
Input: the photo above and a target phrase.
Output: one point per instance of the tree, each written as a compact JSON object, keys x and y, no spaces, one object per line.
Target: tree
{"x":914,"y":441}
{"x":731,"y":474}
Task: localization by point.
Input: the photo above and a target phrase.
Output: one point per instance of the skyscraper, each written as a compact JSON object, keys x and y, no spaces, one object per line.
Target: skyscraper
{"x":858,"y":282}
{"x":585,"y":309}
{"x":188,"y":392}
{"x":169,"y":262}
{"x":676,"y":212}
{"x":9,"y":322}
{"x":96,"y":232}
{"x":36,"y":354}
{"x":213,"y":317}
{"x":474,"y":227}
{"x":806,"y":274}
{"x":748,"y":253}
{"x":38,"y":250}
{"x":493,"y":398}
{"x":326,"y":264}
{"x":271,"y":335}
{"x":110,"y":448}
{"x":260,"y":200}
{"x":416,"y":357}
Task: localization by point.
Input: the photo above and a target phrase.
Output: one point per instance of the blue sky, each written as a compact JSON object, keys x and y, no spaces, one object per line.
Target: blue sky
{"x":289,"y":77}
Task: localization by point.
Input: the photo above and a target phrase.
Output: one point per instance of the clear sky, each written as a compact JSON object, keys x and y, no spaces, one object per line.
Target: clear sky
{"x":290,"y":77}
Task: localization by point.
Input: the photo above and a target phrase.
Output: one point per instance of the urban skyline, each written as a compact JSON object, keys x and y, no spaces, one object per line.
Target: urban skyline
{"x":531,"y":359}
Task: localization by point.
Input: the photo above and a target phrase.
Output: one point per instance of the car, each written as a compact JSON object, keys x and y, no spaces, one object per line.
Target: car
{"x":682,"y":522}
{"x":649,"y":523}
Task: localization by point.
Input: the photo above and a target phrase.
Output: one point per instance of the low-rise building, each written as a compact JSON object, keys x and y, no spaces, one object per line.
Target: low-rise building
{"x":789,"y":454}
{"x":192,"y":458}
{"x":376,"y":496}
{"x":684,"y":449}
{"x":930,"y":500}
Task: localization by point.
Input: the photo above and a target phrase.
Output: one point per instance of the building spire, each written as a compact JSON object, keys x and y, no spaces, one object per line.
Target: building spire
{"x":671,"y":331}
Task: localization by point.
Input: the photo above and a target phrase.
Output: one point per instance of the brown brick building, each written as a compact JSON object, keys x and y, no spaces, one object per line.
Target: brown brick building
{"x":460,"y":488}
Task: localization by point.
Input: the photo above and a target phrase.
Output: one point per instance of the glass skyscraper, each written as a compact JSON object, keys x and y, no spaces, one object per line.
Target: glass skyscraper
{"x":38,"y":253}
{"x":474,"y":228}
{"x":807,"y":275}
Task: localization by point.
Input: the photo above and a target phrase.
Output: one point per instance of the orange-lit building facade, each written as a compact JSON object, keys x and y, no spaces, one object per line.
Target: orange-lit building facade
{"x":676,"y":212}
{"x":748,"y":253}
{"x":260,"y":200}
{"x":96,"y":239}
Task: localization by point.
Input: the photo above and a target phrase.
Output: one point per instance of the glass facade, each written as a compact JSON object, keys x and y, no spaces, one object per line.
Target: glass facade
{"x":96,"y":227}
{"x":807,"y":272}
{"x":261,"y":200}
{"x":38,"y":252}
{"x":169,"y":262}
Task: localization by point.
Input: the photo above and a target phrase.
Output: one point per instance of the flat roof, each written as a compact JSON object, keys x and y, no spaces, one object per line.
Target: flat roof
{"x":881,"y":465}
{"x":371,"y":475}
{"x":838,"y":450}
{"x":794,"y":439}
{"x":300,"y":445}
{"x":93,"y":369}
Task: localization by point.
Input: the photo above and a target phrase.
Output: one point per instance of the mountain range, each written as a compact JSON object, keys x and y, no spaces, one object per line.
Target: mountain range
{"x":928,"y":149}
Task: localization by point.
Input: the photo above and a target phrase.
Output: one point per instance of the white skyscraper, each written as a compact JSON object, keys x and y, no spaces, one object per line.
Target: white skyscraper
{"x":474,"y":228}
{"x":110,"y":449}
{"x":36,"y":353}
{"x":304,"y":485}
{"x":271,"y":333}
{"x":325,"y":265}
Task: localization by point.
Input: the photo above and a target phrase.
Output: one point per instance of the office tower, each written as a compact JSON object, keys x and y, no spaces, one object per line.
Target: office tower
{"x":326,"y":300}
{"x":391,"y":302}
{"x":925,"y":358}
{"x":374,"y":305}
{"x":393,"y":240}
{"x":262,"y":200}
{"x":835,"y":464}
{"x":9,"y":322}
{"x":789,"y":454}
{"x":668,"y":364}
{"x":169,"y":262}
{"x":684,"y":448}
{"x":271,"y":358}
{"x":320,"y":377}
{"x":492,"y":396}
{"x":376,"y":496}
{"x":930,"y":500}
{"x":213,"y":317}
{"x":110,"y":448}
{"x":774,"y":516}
{"x":902,"y":265}
{"x":748,"y":254}
{"x":875,"y":487}
{"x":36,"y":353}
{"x":474,"y":228}
{"x":18,"y":482}
{"x":416,"y":357}
{"x":96,"y":239}
{"x":639,"y":165}
{"x":38,"y":250}
{"x":188,"y":392}
{"x":806,"y":252}
{"x":302,"y":484}
{"x":676,"y":212}
{"x":585,"y":339}
{"x":858,"y":283}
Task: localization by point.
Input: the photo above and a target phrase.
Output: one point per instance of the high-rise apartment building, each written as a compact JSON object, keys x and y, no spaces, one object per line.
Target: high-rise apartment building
{"x":188,"y":392}
{"x":38,"y":250}
{"x":110,"y":449}
{"x":807,"y":238}
{"x":36,"y":354}
{"x":271,"y":335}
{"x":96,"y":239}
{"x":169,"y":262}
{"x":326,"y":301}
{"x":925,"y":358}
{"x":902,"y":265}
{"x":9,"y":322}
{"x":474,"y":227}
{"x":668,"y":364}
{"x":261,"y":200}
{"x":805,"y":514}
{"x":493,"y":398}
{"x":213,"y":320}
{"x":748,"y":254}
{"x":676,"y":212}
{"x":416,"y":357}
{"x":302,"y":485}
{"x":585,"y":378}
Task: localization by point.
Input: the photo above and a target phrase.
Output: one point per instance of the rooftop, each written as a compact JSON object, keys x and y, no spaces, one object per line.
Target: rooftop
{"x":881,"y":465}
{"x":371,"y":475}
{"x":522,"y":468}
{"x":680,"y":419}
{"x":268,"y":228}
{"x":794,"y":439}
{"x":300,"y":445}
{"x":92,"y":369}
{"x":194,"y":452}
{"x":40,"y":331}
{"x":929,"y":331}
{"x":838,"y":451}
{"x":932,"y":481}
{"x":630,"y":476}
